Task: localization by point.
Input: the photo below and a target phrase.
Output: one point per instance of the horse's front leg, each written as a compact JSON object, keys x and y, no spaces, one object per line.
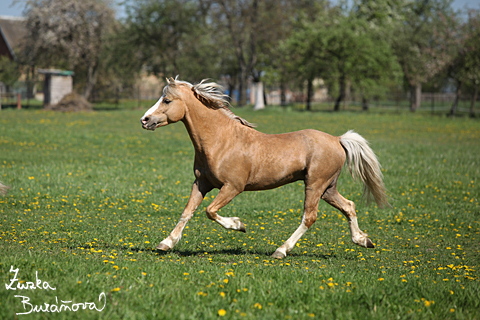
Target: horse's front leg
{"x":199,"y":190}
{"x":226,"y":194}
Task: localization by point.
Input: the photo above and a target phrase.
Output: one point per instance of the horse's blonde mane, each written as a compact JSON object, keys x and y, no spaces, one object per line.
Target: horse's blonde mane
{"x":211,"y":93}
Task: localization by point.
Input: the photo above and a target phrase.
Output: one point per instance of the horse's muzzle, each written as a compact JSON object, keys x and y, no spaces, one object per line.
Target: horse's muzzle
{"x":146,"y":125}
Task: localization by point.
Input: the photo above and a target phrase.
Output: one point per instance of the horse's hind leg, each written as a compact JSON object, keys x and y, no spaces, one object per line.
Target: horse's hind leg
{"x":312,"y":197}
{"x":347,"y":207}
{"x":226,"y":194}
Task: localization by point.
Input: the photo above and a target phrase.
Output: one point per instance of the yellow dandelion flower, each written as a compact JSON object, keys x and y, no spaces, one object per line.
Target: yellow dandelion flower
{"x":115,"y":289}
{"x":222,"y":312}
{"x":257,"y":305}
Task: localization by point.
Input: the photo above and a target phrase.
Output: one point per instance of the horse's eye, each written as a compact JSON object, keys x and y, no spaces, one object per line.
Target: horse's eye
{"x":166,"y":101}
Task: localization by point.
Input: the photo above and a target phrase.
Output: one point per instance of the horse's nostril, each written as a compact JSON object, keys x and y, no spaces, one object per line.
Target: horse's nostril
{"x":146,"y":119}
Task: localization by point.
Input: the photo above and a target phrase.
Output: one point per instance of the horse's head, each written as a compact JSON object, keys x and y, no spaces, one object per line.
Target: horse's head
{"x":170,"y":108}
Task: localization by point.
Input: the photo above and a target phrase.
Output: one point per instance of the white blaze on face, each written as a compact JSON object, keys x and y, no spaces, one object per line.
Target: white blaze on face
{"x":152,"y":109}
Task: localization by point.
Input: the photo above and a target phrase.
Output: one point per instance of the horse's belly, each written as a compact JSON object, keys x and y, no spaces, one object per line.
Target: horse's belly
{"x":275,"y":174}
{"x":267,"y":184}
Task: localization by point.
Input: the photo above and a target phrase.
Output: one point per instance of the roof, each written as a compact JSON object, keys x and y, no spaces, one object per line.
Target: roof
{"x":12,"y":30}
{"x":56,"y":72}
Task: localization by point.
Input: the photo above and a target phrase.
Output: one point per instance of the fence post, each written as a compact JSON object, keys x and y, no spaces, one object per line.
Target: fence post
{"x":19,"y":102}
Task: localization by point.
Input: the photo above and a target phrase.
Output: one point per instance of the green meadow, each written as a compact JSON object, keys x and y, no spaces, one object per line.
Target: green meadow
{"x":92,"y":194}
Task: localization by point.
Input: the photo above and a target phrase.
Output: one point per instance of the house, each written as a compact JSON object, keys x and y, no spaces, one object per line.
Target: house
{"x":12,"y":31}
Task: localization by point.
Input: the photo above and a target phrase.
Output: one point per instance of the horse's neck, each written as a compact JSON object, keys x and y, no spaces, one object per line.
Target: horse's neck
{"x":206,"y":126}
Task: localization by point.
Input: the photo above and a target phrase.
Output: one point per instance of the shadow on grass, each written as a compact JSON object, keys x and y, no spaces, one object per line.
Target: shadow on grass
{"x":237,"y":252}
{"x":205,"y":252}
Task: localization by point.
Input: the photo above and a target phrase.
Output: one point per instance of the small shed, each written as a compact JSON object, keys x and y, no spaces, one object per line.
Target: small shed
{"x":57,"y":84}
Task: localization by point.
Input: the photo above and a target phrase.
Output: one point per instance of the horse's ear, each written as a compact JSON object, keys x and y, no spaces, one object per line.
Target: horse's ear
{"x":172,"y":81}
{"x":168,"y":81}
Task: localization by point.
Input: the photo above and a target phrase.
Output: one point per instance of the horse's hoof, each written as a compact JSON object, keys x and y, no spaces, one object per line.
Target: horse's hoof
{"x":278,"y":255}
{"x":162,"y":247}
{"x":369,"y":244}
{"x":242,"y":228}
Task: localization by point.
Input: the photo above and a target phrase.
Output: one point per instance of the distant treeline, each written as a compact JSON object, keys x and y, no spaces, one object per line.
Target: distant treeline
{"x":366,"y":48}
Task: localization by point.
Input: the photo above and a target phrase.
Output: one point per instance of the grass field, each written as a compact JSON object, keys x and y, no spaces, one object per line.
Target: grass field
{"x":92,"y":195}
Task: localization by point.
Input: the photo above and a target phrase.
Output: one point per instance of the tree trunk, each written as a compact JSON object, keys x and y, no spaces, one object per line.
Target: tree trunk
{"x":364,"y":104}
{"x":265,"y":97}
{"x":231,"y":88}
{"x":309,"y":94}
{"x":415,"y":96}
{"x":341,"y":95}
{"x":348,"y":93}
{"x":91,"y":79}
{"x":458,"y":93}
{"x":259,"y":102}
{"x":283,"y":98}
{"x":418,"y":95}
{"x":242,"y":88}
{"x":474,"y":99}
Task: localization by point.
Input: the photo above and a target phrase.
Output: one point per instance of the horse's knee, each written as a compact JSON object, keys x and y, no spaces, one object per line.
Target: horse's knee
{"x":351,"y":209}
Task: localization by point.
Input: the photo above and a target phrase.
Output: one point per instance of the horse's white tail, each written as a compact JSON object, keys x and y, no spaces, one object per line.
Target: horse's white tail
{"x":3,"y":189}
{"x":363,"y":164}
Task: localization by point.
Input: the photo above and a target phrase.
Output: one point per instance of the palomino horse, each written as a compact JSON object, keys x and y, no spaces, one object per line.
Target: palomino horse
{"x":232,"y":156}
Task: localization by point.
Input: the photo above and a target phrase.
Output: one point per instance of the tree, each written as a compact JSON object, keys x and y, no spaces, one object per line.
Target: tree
{"x":9,"y":73}
{"x":294,"y":58}
{"x":472,"y":58}
{"x":255,"y":29}
{"x":173,"y":37}
{"x":306,"y":50}
{"x":417,"y":44}
{"x":463,"y":38}
{"x":120,"y":63}
{"x":240,"y":20}
{"x":342,"y":49}
{"x":359,"y":55}
{"x":68,"y":34}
